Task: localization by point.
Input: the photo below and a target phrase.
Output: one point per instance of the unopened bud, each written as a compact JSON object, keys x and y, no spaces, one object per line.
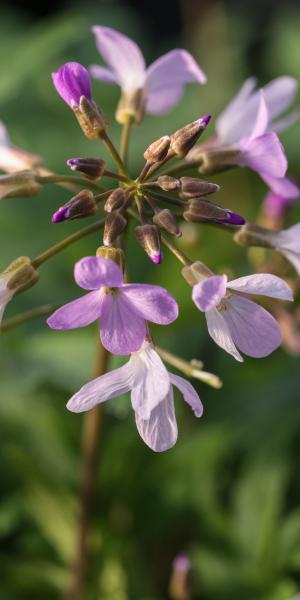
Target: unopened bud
{"x":149,"y":238}
{"x":158,"y":150}
{"x":166,"y":220}
{"x":202,"y":210}
{"x":168,"y":183}
{"x":115,"y":223}
{"x":213,"y":161}
{"x":196,"y":272}
{"x":131,"y":106}
{"x":115,"y":254}
{"x":81,"y":205}
{"x":184,"y":139}
{"x":115,"y":200}
{"x":192,"y":187}
{"x":254,"y":235}
{"x":91,"y":167}
{"x":90,"y":118}
{"x":19,"y":184}
{"x":20,"y":274}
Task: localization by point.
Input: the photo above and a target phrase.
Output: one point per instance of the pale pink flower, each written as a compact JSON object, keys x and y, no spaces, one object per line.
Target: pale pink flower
{"x":14,"y":159}
{"x":151,"y":389}
{"x":235,"y":322}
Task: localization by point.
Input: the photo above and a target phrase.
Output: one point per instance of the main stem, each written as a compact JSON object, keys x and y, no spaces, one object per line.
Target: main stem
{"x":90,"y":460}
{"x":124,"y":143}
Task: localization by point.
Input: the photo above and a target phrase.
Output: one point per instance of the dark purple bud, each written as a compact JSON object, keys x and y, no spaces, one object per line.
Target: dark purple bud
{"x":149,"y":238}
{"x":158,"y":150}
{"x":81,"y":205}
{"x":202,"y":210}
{"x":72,"y":81}
{"x":115,"y":223}
{"x":234,"y":218}
{"x":184,"y":139}
{"x":91,"y":167}
{"x":116,"y":200}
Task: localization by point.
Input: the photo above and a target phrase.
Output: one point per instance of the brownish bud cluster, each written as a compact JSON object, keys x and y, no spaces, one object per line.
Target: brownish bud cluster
{"x":116,"y":200}
{"x":115,"y":223}
{"x":158,"y":150}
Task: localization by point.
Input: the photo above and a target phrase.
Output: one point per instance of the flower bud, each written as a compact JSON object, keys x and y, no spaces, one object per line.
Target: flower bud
{"x":115,"y":223}
{"x":115,"y":200}
{"x":90,"y":167}
{"x":196,"y":272}
{"x":115,"y":254}
{"x":131,"y":106}
{"x":192,"y":187}
{"x":90,"y":118}
{"x":213,"y":161}
{"x":202,"y":210}
{"x":149,"y":238}
{"x":158,"y":150}
{"x":20,"y":274}
{"x":184,"y":139}
{"x":166,"y":220}
{"x":19,"y":184}
{"x":81,"y":205}
{"x":168,"y":183}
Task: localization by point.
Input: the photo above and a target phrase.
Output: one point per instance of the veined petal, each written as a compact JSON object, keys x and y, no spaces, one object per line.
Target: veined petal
{"x":219,"y":331}
{"x":280,"y":93}
{"x":282,"y":186}
{"x":122,"y":55}
{"x":167,"y":76}
{"x":102,"y":74}
{"x":189,"y":393}
{"x":79,"y":313}
{"x":151,"y":302}
{"x":71,"y":82}
{"x":160,"y":431}
{"x":262,"y":284}
{"x":93,"y":272}
{"x":151,"y":381}
{"x":122,"y":331}
{"x":264,"y":154}
{"x":231,"y":125}
{"x":253,"y":329}
{"x":209,"y":292}
{"x":103,"y":388}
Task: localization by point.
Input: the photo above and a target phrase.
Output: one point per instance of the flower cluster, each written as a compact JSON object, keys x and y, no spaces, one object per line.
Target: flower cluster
{"x":157,"y":200}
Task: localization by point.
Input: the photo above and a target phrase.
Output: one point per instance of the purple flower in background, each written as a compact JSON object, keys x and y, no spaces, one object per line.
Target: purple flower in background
{"x":162,"y":83}
{"x":233,"y":320}
{"x":287,"y":243}
{"x":275,"y":205}
{"x":123,"y":309}
{"x":151,"y":388}
{"x":72,"y":81}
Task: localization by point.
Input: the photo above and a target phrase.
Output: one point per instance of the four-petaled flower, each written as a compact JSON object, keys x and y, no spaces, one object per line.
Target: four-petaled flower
{"x":233,"y":320}
{"x":157,"y":88}
{"x":151,"y":388}
{"x":123,"y":309}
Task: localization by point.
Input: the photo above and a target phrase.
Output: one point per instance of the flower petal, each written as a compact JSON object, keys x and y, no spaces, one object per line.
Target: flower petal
{"x":287,"y":242}
{"x":79,"y":313}
{"x":151,"y":381}
{"x":122,"y":331}
{"x":71,"y":82}
{"x":219,"y":331}
{"x":189,"y":393}
{"x":282,"y":186}
{"x":262,"y":118}
{"x":102,"y":74}
{"x":167,"y":76}
{"x":209,"y":292}
{"x":151,"y":302}
{"x":253,"y":329}
{"x":264,"y":154}
{"x":92,"y":272}
{"x":160,"y":431}
{"x":122,"y":55}
{"x":286,"y":121}
{"x":231,"y":125}
{"x":262,"y":284}
{"x":292,"y":257}
{"x":102,"y":388}
{"x":280,"y":93}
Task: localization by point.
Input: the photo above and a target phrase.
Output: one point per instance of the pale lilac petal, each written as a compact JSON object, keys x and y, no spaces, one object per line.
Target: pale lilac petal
{"x":167,"y":76}
{"x":264,"y":154}
{"x":102,"y":74}
{"x":92,"y":272}
{"x":280,"y":94}
{"x":4,"y":300}
{"x":123,"y":57}
{"x":122,"y":330}
{"x":160,"y":431}
{"x":103,"y":388}
{"x":262,"y":284}
{"x":209,"y":292}
{"x":253,"y":330}
{"x":4,"y":137}
{"x":151,"y":381}
{"x":292,"y":257}
{"x":262,"y":118}
{"x":219,"y":331}
{"x":79,"y":313}
{"x":282,"y":186}
{"x":231,"y":125}
{"x":289,"y":239}
{"x":285,"y":122}
{"x":189,"y":393}
{"x":151,"y":302}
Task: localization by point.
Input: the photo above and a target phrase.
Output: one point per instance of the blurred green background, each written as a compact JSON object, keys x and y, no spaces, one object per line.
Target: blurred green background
{"x":228,"y":494}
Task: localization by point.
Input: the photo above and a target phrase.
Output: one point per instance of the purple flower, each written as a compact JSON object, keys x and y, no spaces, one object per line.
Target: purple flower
{"x":275,"y":205}
{"x":233,"y":320}
{"x":151,"y":388}
{"x":72,"y":81}
{"x":123,"y":309}
{"x":162,"y":84}
{"x":287,"y":243}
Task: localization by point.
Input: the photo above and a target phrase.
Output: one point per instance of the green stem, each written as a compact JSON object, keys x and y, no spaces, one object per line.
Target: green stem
{"x":116,"y":176}
{"x":82,"y":181}
{"x":191,"y":368}
{"x":183,"y":164}
{"x":115,"y":154}
{"x":66,"y":242}
{"x":28,"y":315}
{"x":124,"y":143}
{"x":180,"y":255}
